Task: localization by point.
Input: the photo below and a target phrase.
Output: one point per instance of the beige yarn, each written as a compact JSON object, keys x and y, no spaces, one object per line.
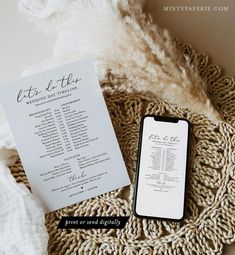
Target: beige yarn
{"x":210,"y":219}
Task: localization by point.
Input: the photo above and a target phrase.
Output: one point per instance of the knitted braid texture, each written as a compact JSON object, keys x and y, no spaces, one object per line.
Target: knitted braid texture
{"x":210,"y":217}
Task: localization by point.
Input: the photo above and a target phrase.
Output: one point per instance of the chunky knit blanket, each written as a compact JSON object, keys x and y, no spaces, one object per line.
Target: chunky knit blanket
{"x":209,"y":222}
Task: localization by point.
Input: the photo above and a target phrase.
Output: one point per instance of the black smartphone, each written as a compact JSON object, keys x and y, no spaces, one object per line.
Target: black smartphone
{"x":161,"y":172}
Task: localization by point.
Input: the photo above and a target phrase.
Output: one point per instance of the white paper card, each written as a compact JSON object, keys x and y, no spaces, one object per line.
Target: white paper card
{"x":64,"y":135}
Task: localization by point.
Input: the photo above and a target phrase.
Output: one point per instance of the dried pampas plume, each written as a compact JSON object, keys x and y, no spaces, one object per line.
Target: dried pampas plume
{"x":121,"y":38}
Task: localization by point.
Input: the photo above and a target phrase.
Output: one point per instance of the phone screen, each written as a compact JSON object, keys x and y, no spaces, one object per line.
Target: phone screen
{"x":161,"y":169}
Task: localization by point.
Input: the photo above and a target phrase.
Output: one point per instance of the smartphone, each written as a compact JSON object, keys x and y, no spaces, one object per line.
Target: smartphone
{"x":161,"y":172}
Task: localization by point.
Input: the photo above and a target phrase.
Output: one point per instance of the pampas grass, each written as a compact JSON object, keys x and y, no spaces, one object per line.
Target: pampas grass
{"x":121,"y":38}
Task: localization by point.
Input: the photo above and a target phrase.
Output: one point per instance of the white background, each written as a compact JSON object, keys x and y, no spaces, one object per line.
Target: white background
{"x":21,"y":43}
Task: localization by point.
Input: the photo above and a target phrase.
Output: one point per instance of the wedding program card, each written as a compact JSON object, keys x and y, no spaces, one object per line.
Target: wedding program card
{"x":64,"y":135}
